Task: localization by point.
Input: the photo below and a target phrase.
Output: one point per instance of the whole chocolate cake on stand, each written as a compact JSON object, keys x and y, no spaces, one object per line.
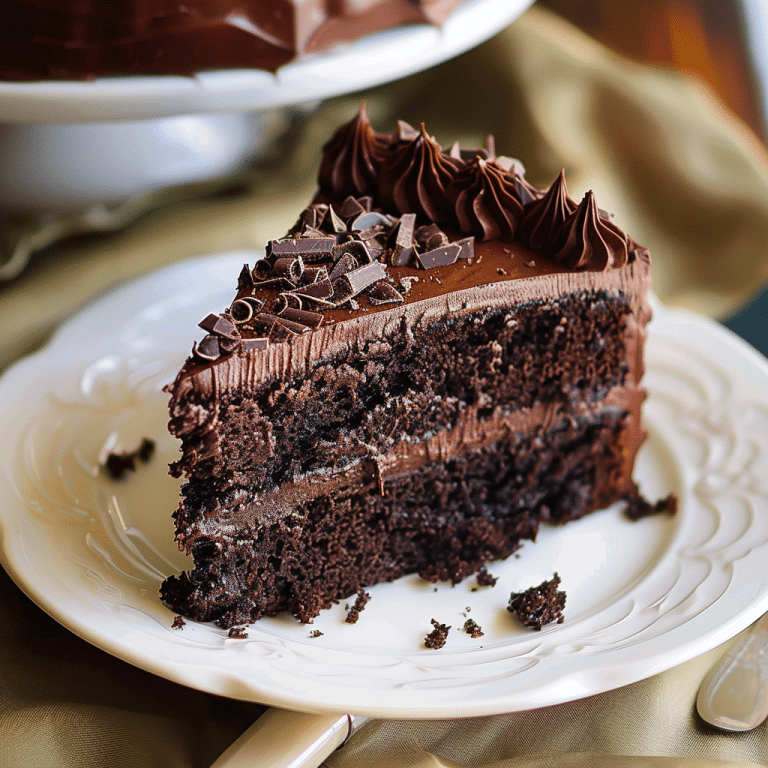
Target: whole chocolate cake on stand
{"x":105,"y":106}
{"x":436,"y":359}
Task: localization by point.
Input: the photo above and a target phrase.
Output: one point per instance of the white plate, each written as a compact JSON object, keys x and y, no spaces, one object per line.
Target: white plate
{"x":376,"y":59}
{"x":642,"y":597}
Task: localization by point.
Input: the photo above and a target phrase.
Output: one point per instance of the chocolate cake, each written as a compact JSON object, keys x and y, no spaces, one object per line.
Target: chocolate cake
{"x":58,"y":39}
{"x":436,"y":359}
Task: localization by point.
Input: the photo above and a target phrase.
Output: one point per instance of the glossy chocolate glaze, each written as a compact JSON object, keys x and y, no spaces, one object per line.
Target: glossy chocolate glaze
{"x":84,"y":39}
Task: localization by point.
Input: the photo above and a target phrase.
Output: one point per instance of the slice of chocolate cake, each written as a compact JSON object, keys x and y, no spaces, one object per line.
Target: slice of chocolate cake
{"x":437,"y":358}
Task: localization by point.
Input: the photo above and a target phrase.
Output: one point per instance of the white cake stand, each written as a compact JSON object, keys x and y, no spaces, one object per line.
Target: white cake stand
{"x":83,"y":156}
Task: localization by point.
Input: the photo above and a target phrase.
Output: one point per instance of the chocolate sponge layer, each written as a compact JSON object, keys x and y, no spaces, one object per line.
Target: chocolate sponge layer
{"x":443,"y":521}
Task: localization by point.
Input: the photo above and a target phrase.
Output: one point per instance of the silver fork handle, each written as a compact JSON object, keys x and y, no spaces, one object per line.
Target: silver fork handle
{"x":734,"y":695}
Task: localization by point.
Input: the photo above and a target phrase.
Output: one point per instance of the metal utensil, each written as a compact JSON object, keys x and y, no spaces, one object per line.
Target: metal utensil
{"x":283,"y":739}
{"x":734,"y":694}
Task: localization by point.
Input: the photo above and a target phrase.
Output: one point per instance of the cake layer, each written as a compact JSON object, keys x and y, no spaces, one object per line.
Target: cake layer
{"x":352,"y":390}
{"x":57,"y":39}
{"x":443,"y":520}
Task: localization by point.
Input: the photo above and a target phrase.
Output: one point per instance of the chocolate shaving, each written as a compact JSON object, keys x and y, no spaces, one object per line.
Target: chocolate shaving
{"x":245,"y":279}
{"x":337,"y":223}
{"x":289,"y":268}
{"x":265,"y":319}
{"x":286,"y":300}
{"x":279,"y":332}
{"x":207,"y":349}
{"x":440,"y":257}
{"x":467,"y":245}
{"x":309,"y":249}
{"x":403,"y":251}
{"x":314,"y":275}
{"x":383,"y":293}
{"x":350,"y":208}
{"x":220,"y":325}
{"x":320,"y":292}
{"x":309,"y":319}
{"x":243,"y":310}
{"x":262,"y":269}
{"x":347,"y":263}
{"x":363,"y":277}
{"x":424,"y":233}
{"x":355,"y":248}
{"x":251,"y":345}
{"x":366,"y":201}
{"x":370,"y":219}
{"x":404,"y":132}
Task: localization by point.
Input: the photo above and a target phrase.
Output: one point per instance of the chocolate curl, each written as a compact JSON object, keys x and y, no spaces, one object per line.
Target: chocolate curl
{"x":302,"y":317}
{"x":253,"y":345}
{"x":243,"y":310}
{"x":289,"y":268}
{"x":265,"y":319}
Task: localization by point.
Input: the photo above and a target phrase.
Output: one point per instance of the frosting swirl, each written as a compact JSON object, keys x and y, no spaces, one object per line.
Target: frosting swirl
{"x":543,"y":218}
{"x":588,"y":240}
{"x":415,"y":177}
{"x":485,"y":200}
{"x":352,"y":157}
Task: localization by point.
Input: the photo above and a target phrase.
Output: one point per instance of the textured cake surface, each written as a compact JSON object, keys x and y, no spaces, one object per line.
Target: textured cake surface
{"x":83,"y":39}
{"x":435,"y":360}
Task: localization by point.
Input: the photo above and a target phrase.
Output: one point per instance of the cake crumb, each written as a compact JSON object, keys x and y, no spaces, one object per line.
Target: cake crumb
{"x":353,"y":613}
{"x":485,"y":579}
{"x":437,"y":637}
{"x":315,"y":633}
{"x":178,"y":622}
{"x":237,"y":633}
{"x":472,"y":628}
{"x":117,"y":464}
{"x":639,"y":507}
{"x":540,"y":605}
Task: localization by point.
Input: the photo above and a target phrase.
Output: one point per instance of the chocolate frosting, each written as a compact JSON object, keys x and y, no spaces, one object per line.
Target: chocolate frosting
{"x":544,"y":218}
{"x":591,"y":241}
{"x":415,"y":178}
{"x":351,"y":158}
{"x":486,"y":201}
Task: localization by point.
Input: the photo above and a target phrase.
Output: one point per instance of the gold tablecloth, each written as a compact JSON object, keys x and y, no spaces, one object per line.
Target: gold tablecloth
{"x":678,"y":171}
